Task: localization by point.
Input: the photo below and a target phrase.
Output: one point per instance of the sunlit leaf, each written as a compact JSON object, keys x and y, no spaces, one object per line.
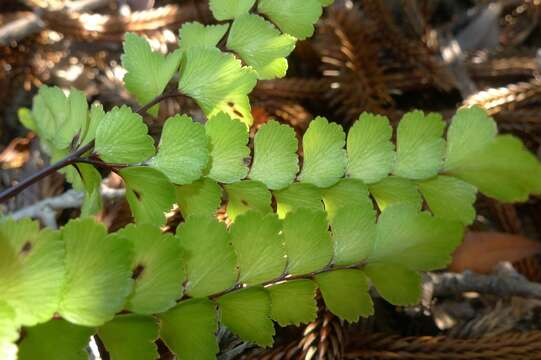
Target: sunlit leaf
{"x":353,"y":233}
{"x":247,"y":314}
{"x":202,"y":197}
{"x":218,"y":82}
{"x":275,"y":155}
{"x":91,"y":179}
{"x":293,"y":302}
{"x":195,"y":34}
{"x":122,"y":137}
{"x":20,"y":234}
{"x":228,"y":141}
{"x":345,"y":293}
{"x":31,"y":270}
{"x":419,"y":145}
{"x":499,"y":166}
{"x":347,"y":192}
{"x":395,"y":283}
{"x":229,"y":9}
{"x":324,"y":155}
{"x":247,"y":195}
{"x":130,"y":337}
{"x":57,"y":118}
{"x":148,"y":72}
{"x":27,"y":119}
{"x":8,"y":332}
{"x":183,"y":150}
{"x":395,"y":190}
{"x":470,"y":130}
{"x":210,"y":259}
{"x":370,"y":151}
{"x":49,"y":111}
{"x":449,"y":198}
{"x":157,"y":269}
{"x":259,"y":247}
{"x":297,"y":196}
{"x":98,"y":276}
{"x":188,"y":329}
{"x":149,"y":193}
{"x":95,"y":117}
{"x":503,"y":169}
{"x":294,"y":17}
{"x":419,"y":240}
{"x":56,"y":339}
{"x":261,"y":45}
{"x":308,"y":243}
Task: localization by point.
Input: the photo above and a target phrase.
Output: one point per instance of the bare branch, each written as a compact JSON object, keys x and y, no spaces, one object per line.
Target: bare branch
{"x":46,"y":210}
{"x":502,"y":283}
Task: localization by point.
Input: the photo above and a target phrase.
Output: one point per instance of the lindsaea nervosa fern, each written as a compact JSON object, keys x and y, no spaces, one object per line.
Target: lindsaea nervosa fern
{"x":357,"y":213}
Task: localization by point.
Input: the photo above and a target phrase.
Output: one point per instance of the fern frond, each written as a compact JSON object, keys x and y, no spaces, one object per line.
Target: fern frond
{"x":268,"y":259}
{"x":264,"y":223}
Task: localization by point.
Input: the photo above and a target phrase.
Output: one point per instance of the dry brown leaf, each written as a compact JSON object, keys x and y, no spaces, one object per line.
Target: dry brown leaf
{"x":482,"y":251}
{"x":17,"y":153}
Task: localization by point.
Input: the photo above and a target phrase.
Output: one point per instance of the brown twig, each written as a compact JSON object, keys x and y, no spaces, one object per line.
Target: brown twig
{"x":500,"y":284}
{"x":157,"y":100}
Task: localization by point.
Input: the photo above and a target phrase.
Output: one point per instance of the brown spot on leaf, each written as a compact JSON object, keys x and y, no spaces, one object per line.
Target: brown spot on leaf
{"x":137,"y":194}
{"x":26,"y":248}
{"x":137,"y":271}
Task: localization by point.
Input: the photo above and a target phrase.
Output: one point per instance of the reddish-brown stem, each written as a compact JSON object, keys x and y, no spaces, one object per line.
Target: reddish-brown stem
{"x":157,"y":100}
{"x":73,"y":157}
{"x":101,"y":164}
